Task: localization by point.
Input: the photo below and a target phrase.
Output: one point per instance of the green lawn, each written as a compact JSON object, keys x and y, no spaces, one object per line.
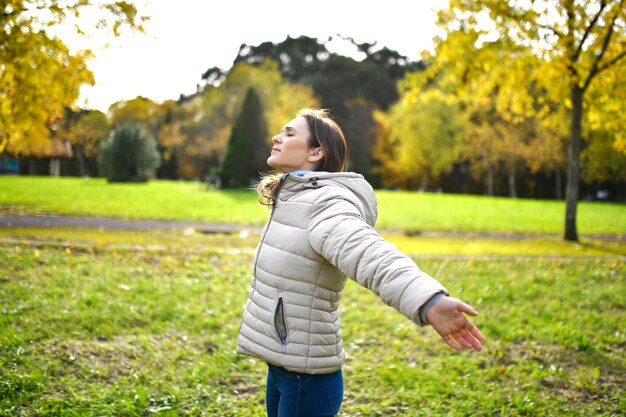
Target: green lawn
{"x":397,"y":210}
{"x":143,"y":323}
{"x":154,"y":200}
{"x":99,"y":323}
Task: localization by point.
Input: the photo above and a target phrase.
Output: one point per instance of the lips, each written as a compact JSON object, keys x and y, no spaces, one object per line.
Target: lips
{"x":275,"y":149}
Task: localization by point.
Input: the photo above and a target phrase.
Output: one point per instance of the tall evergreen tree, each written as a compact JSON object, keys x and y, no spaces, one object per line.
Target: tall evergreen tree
{"x":248,"y":147}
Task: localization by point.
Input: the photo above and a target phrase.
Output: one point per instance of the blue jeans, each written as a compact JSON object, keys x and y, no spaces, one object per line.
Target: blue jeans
{"x":292,"y":394}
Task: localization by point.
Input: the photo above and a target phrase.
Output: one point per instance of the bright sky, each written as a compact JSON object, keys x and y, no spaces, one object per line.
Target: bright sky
{"x":186,"y":37}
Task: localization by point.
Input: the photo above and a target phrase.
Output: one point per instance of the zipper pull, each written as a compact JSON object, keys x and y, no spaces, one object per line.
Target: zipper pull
{"x":284,"y":347}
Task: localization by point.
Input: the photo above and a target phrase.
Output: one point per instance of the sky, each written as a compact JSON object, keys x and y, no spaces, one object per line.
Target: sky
{"x":184,"y":38}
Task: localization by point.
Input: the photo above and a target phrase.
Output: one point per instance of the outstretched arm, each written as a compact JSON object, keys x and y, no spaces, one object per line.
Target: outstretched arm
{"x":447,"y":316}
{"x":338,"y":233}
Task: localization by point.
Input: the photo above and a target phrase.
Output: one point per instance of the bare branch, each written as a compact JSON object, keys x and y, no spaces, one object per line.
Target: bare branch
{"x":605,"y":45}
{"x":569,"y":39}
{"x":589,"y":28}
{"x":612,"y":61}
{"x":552,"y":29}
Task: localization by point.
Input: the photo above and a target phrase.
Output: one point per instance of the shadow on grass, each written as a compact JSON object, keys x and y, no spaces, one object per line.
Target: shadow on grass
{"x":604,"y":247}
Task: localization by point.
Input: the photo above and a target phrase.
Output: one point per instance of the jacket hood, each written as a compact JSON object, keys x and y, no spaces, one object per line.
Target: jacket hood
{"x":354,"y":183}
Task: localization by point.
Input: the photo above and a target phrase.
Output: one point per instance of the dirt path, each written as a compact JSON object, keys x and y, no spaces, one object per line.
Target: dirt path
{"x":91,"y":246}
{"x":49,"y":220}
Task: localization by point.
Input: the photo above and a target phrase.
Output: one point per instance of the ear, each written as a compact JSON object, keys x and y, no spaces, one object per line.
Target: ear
{"x":316,"y":154}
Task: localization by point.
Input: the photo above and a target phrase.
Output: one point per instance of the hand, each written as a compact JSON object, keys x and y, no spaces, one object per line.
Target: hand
{"x":448,"y":319}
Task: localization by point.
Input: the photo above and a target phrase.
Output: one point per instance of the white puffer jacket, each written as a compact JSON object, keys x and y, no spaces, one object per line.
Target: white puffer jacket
{"x":319,"y":232}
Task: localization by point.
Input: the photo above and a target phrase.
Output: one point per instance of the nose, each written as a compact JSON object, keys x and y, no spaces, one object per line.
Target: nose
{"x":276,"y":138}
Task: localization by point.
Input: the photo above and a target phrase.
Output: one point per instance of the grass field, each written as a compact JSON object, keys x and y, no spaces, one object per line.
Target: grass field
{"x":143,"y":323}
{"x":98,"y":323}
{"x":397,"y":210}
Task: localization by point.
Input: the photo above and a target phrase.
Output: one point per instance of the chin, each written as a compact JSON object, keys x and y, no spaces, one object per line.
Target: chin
{"x":272,"y":164}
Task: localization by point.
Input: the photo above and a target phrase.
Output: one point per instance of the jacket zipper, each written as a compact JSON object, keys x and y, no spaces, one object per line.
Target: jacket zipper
{"x":280,"y":187}
{"x":279,"y":314}
{"x":280,"y":324}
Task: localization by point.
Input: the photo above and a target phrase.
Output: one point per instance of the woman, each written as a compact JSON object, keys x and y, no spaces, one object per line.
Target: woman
{"x":320,"y":231}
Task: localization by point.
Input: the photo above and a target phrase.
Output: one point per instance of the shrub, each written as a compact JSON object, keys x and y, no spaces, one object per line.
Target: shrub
{"x":129,"y":154}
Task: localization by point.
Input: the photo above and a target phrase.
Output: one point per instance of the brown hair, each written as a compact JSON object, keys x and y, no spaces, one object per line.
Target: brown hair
{"x":325,"y":133}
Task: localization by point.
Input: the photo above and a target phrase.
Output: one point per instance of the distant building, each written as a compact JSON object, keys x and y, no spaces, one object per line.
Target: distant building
{"x":9,"y":165}
{"x":46,"y":161}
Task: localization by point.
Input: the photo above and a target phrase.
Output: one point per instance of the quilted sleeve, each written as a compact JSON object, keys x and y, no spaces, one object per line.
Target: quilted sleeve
{"x":338,"y":232}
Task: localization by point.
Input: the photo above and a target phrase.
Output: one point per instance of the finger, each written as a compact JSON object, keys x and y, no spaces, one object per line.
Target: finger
{"x":463,"y":340}
{"x":465,"y":308}
{"x":474,"y":342}
{"x":473,"y":330}
{"x":451,"y":342}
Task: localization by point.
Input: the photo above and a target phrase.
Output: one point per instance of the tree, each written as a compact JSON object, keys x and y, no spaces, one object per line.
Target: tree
{"x":546,"y":150}
{"x":605,"y":157}
{"x":85,"y":130}
{"x":388,"y":60}
{"x":129,"y":155}
{"x":351,"y":89}
{"x":140,"y":110}
{"x":494,"y":144}
{"x":170,"y":138}
{"x":461,"y":80}
{"x":212,"y":77}
{"x":422,"y":134}
{"x":212,"y":113}
{"x":39,"y":76}
{"x":247,"y":148}
{"x":504,"y":136}
{"x":579,"y":40}
{"x":601,"y":161}
{"x":163,"y":121}
{"x":298,"y":58}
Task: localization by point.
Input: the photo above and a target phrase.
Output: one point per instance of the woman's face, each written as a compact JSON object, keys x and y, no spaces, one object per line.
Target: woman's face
{"x":291,"y":150}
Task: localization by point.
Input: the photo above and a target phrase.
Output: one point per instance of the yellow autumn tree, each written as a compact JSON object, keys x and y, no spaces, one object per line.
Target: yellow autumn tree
{"x":85,"y":130}
{"x":38,"y":78}
{"x":604,"y":159}
{"x":39,"y":75}
{"x":420,"y":137}
{"x":578,"y":40}
{"x":500,"y":125}
{"x":139,"y":110}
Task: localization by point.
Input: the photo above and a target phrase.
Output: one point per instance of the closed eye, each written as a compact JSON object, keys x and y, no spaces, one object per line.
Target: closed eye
{"x":289,"y":130}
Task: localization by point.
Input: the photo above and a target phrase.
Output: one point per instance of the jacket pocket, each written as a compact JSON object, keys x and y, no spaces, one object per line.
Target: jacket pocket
{"x":280,"y":324}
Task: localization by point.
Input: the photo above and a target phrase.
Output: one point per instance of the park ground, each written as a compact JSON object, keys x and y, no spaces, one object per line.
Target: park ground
{"x":100,"y":321}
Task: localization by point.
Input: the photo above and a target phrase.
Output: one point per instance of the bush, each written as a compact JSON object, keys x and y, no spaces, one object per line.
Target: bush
{"x":129,"y":154}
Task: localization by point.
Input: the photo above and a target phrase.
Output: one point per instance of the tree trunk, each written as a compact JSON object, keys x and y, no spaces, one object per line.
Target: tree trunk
{"x":32,"y":167}
{"x":490,"y":179}
{"x":512,"y":188}
{"x":424,"y":184}
{"x":81,"y":160}
{"x":573,"y":171}
{"x":55,"y":167}
{"x":559,"y":184}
